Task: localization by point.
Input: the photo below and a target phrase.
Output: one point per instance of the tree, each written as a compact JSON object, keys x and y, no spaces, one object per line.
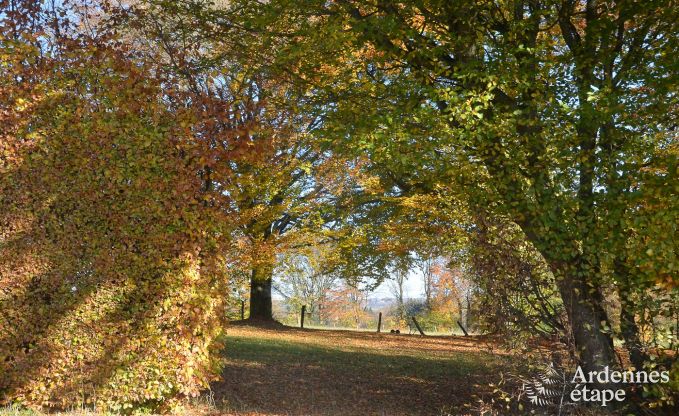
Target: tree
{"x":545,"y":112}
{"x":274,"y":187}
{"x":348,"y":305}
{"x":305,"y":278}
{"x":453,"y":295}
{"x":396,"y":286}
{"x":426,"y":267}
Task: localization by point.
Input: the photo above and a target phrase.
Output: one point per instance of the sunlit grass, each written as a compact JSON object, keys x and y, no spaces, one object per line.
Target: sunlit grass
{"x":332,"y":372}
{"x":14,"y":410}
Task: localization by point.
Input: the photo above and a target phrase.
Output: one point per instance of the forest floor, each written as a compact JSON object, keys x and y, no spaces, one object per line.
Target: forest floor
{"x":278,"y":370}
{"x":290,"y":371}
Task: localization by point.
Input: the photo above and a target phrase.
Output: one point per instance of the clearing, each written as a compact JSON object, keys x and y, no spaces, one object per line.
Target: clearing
{"x":290,"y":371}
{"x":327,"y":372}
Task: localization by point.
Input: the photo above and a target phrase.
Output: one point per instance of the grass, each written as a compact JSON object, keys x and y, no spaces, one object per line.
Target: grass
{"x":16,"y":411}
{"x":290,"y":371}
{"x":307,"y":371}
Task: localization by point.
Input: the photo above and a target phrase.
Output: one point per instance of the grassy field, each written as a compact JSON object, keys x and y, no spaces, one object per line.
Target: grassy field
{"x":301,"y":372}
{"x":289,"y":371}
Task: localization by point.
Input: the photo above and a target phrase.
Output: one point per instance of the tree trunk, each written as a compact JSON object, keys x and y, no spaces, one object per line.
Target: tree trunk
{"x":593,"y":343}
{"x":468,"y":312}
{"x":583,"y":304}
{"x":260,"y":294}
{"x":629,"y":330}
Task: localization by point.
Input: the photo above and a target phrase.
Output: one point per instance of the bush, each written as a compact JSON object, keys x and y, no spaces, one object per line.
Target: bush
{"x":112,"y":267}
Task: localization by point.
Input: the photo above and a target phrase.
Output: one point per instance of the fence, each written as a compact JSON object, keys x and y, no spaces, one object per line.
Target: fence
{"x":366,"y":320}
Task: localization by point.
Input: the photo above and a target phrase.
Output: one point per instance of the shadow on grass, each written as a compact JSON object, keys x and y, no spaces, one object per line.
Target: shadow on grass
{"x":282,"y":377}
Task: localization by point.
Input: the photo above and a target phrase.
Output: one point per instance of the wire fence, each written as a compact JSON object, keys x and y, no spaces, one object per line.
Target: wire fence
{"x":362,"y":320}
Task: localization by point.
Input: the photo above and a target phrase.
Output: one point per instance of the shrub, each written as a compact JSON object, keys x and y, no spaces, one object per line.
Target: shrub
{"x":112,"y":264}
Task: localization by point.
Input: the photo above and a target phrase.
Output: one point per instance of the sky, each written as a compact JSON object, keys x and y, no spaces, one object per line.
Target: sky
{"x":413,"y":288}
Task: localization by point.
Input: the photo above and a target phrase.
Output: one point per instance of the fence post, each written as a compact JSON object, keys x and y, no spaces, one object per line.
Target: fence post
{"x":242,"y":309}
{"x":301,"y":320}
{"x":379,"y":322}
{"x":462,"y":328}
{"x":418,"y":326}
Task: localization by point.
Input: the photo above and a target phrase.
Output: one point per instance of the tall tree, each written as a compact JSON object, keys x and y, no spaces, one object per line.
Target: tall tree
{"x":275,"y":186}
{"x":306,"y":277}
{"x":544,"y":111}
{"x":426,"y":268}
{"x":399,"y":276}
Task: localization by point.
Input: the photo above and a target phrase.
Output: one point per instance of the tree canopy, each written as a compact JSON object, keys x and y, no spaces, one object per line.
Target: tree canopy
{"x":152,"y":150}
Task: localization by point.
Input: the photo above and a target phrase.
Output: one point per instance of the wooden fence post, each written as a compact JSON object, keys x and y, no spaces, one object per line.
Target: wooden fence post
{"x":242,"y":309}
{"x":379,"y":322}
{"x":418,"y":326}
{"x":462,"y":328}
{"x":301,"y":320}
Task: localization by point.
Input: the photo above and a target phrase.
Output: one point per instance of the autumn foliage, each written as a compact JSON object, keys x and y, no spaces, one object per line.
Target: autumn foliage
{"x":155,"y":154}
{"x":112,"y":255}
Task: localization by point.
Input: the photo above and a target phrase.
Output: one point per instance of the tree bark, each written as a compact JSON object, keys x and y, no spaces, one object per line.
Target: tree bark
{"x":629,"y":330}
{"x":260,"y":294}
{"x":586,"y":314}
{"x":468,"y":313}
